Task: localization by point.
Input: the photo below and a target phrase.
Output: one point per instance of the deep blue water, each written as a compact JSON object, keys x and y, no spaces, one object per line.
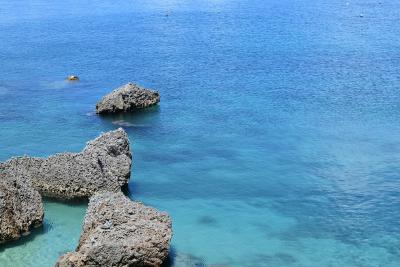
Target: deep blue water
{"x":277,"y":139}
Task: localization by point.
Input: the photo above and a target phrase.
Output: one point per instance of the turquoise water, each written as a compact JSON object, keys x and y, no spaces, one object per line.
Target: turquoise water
{"x":276,"y":142}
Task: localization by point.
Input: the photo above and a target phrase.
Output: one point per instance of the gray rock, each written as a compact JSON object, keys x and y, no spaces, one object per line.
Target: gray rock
{"x":104,"y":165}
{"x":21,"y":207}
{"x":127,"y":98}
{"x":119,"y":232}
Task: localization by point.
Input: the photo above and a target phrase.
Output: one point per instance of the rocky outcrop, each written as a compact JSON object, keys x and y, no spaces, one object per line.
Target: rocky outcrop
{"x":128,"y":97}
{"x":21,"y":207}
{"x":119,"y":232}
{"x":104,"y":165}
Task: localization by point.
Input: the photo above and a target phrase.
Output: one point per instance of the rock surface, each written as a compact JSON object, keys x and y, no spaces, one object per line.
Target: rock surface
{"x":119,"y":232}
{"x":104,"y":165}
{"x":21,"y":207}
{"x":127,"y":98}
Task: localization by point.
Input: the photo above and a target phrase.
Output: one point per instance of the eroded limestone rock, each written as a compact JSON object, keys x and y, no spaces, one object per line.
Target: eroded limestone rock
{"x":119,"y":232}
{"x":21,"y":207}
{"x":127,"y":98}
{"x":104,"y":165}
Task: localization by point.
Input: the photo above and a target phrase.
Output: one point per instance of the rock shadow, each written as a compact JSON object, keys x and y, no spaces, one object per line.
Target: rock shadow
{"x":207,"y":220}
{"x":28,"y":237}
{"x":179,"y":259}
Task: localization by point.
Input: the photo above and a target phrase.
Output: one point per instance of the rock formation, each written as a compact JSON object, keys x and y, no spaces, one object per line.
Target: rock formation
{"x":21,"y":207}
{"x":127,"y":98}
{"x":104,"y":165}
{"x":119,"y":232}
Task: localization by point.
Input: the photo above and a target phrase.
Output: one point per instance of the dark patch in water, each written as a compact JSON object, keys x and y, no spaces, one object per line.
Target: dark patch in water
{"x":207,"y":220}
{"x":164,"y":158}
{"x":133,"y":115}
{"x":61,"y":120}
{"x":228,"y":154}
{"x":259,"y":204}
{"x":285,"y":258}
{"x":123,"y":123}
{"x":281,"y":259}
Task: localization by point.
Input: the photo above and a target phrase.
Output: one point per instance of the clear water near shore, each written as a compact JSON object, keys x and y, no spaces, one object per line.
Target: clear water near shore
{"x":276,"y":142}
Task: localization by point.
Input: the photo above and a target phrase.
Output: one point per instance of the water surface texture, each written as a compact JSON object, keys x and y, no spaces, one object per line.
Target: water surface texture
{"x":277,"y":139}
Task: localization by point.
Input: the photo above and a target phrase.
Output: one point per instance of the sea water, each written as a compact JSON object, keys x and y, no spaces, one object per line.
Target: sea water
{"x":276,"y":142}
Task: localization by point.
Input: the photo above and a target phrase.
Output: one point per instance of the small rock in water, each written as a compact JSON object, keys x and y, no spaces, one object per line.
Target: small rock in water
{"x":73,"y":78}
{"x":127,"y":98}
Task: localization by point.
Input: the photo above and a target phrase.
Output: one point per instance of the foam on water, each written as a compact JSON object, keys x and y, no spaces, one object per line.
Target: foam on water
{"x":276,"y":139}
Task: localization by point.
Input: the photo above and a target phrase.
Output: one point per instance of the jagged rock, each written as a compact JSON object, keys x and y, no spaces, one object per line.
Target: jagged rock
{"x":21,"y":207}
{"x":104,"y":165}
{"x":127,"y":98}
{"x":119,"y":232}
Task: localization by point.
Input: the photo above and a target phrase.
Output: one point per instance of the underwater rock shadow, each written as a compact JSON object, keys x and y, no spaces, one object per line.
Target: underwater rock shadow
{"x":178,"y":259}
{"x":122,"y":123}
{"x":29,"y":237}
{"x":276,"y":259}
{"x":141,"y":118}
{"x":138,"y":113}
{"x":47,"y":225}
{"x":74,"y":202}
{"x":207,"y":220}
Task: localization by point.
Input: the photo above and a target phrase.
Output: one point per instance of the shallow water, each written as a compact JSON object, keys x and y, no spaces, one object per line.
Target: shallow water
{"x":276,"y":142}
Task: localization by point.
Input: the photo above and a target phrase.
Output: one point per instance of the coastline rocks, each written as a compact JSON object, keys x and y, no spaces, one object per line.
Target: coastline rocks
{"x":103,"y":165}
{"x":21,"y":207}
{"x":119,"y":232}
{"x":126,"y":98}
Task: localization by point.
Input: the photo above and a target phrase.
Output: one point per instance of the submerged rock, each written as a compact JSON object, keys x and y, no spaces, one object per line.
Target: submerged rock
{"x":119,"y":232}
{"x":127,"y":98}
{"x":21,"y":207}
{"x":104,"y":165}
